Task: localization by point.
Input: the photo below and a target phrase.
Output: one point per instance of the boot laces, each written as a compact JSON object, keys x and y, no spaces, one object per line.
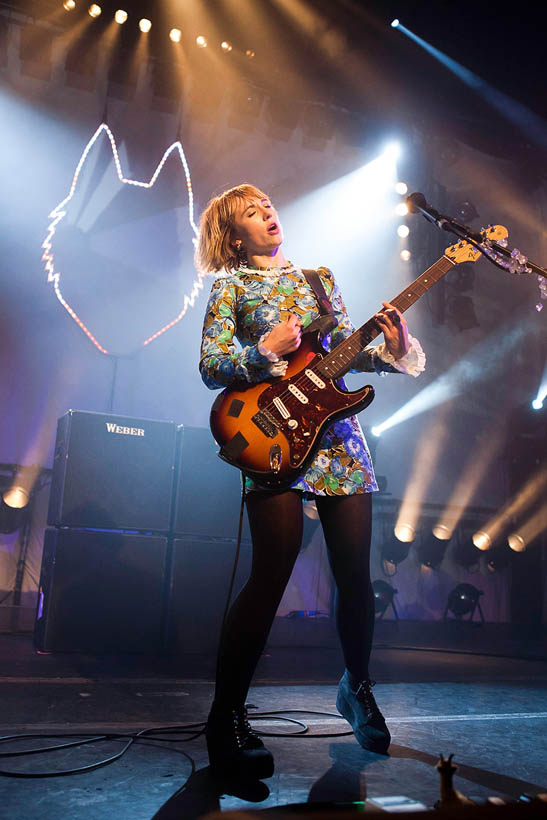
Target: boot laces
{"x":242,"y":727}
{"x":364,"y":695}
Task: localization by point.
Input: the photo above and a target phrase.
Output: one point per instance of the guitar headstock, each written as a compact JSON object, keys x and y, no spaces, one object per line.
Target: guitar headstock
{"x":466,"y":252}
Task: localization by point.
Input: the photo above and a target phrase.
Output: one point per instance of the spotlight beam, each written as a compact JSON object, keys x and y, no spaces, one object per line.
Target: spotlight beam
{"x":427,"y":456}
{"x":537,"y":404}
{"x":470,"y":479}
{"x":515,"y":112}
{"x":489,"y":356}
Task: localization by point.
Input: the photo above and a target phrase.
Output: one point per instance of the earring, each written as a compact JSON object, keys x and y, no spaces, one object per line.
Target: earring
{"x":240,"y":253}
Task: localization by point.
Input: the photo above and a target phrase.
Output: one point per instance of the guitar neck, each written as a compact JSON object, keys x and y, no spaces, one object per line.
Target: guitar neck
{"x":339,"y":361}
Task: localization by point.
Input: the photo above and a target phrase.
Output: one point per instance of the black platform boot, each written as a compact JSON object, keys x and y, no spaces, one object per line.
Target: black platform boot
{"x":235,"y":751}
{"x":356,"y":703}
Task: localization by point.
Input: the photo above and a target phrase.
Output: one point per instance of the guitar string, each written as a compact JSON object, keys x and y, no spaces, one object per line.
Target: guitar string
{"x":339,"y":351}
{"x":401,"y":301}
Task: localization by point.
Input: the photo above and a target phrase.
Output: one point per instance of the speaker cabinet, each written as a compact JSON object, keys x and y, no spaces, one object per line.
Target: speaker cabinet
{"x":101,"y":592}
{"x":208,"y":491}
{"x":201,"y":573}
{"x":112,"y":472}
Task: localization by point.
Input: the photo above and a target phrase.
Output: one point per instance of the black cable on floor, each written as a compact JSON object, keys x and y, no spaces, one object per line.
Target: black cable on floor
{"x":193,"y":730}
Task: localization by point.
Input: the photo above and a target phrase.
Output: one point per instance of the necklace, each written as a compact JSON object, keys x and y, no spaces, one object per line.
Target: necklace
{"x":288,"y":266}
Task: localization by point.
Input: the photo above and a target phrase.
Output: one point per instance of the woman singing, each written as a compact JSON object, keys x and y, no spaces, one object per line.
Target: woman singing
{"x":265,"y":302}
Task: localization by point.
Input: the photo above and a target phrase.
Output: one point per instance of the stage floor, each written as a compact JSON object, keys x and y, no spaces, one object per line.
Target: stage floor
{"x":489,"y":710}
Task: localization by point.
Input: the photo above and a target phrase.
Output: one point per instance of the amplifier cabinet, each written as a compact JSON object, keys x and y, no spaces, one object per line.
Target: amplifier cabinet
{"x":112,"y":472}
{"x":207,"y":491}
{"x":200,"y":578}
{"x":101,"y":592}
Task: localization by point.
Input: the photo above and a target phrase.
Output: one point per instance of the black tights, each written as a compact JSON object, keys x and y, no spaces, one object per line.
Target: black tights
{"x":276,"y":521}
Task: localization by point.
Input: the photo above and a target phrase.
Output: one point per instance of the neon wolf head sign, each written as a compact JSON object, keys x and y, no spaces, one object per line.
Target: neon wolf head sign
{"x":59,"y":212}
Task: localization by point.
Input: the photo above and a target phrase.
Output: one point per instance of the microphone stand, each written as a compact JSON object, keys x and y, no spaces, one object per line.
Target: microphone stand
{"x":497,"y":252}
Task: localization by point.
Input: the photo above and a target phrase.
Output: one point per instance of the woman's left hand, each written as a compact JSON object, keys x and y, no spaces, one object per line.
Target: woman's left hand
{"x":395,"y":330}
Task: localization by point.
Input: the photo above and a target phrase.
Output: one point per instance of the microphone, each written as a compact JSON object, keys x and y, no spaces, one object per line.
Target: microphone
{"x":416,"y":203}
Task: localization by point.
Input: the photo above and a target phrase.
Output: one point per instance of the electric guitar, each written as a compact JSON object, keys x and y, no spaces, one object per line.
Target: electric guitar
{"x":271,"y":430}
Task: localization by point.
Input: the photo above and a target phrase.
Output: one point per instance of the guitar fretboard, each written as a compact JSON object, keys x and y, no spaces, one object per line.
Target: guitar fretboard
{"x":337,"y":363}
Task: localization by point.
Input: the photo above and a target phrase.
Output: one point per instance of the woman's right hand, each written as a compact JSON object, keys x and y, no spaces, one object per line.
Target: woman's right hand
{"x":285,"y":337}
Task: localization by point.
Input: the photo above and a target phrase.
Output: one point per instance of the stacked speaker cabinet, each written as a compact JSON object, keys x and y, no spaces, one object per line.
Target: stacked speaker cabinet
{"x":205,"y":526}
{"x":105,"y":564}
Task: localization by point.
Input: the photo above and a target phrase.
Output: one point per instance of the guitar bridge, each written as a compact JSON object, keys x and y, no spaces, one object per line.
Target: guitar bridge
{"x":265,"y":422}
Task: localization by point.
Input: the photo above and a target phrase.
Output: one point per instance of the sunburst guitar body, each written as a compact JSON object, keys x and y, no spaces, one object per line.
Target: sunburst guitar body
{"x":271,"y":430}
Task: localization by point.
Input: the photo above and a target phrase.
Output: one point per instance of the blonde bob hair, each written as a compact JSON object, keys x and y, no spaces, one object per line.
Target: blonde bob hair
{"x":214,"y":250}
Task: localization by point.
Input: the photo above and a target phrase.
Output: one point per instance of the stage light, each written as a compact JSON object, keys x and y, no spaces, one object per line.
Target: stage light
{"x":393,"y":553}
{"x":465,"y":553}
{"x":246,"y":104}
{"x":401,"y":209}
{"x":226,"y":46}
{"x":401,"y":188}
{"x":466,"y":211}
{"x":120,"y":16}
{"x":498,"y":558}
{"x":384,"y":594}
{"x":394,"y":23}
{"x":463,"y":600}
{"x":175,"y":35}
{"x":145,"y":25}
{"x":402,"y":231}
{"x":94,"y":10}
{"x":392,"y":151}
{"x":11,"y":518}
{"x":405,"y":255}
{"x":516,"y":542}
{"x":519,"y":540}
{"x":250,"y":53}
{"x":376,"y":431}
{"x":69,"y":5}
{"x":482,"y":540}
{"x":16,"y":497}
{"x":442,"y":532}
{"x":537,"y":404}
{"x":431,"y":552}
{"x":201,"y":42}
{"x":404,"y":532}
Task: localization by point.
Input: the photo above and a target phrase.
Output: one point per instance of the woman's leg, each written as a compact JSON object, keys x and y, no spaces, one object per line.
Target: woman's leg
{"x":346,"y":522}
{"x":276,"y":529}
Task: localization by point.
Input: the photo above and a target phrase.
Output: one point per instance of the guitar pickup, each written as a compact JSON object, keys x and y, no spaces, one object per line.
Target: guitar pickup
{"x":265,"y":422}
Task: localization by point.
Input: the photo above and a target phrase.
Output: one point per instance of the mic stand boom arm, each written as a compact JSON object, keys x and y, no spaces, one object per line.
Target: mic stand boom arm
{"x":513,"y":261}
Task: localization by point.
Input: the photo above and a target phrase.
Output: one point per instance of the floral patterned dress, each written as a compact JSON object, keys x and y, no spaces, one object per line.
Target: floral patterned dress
{"x":246,"y":305}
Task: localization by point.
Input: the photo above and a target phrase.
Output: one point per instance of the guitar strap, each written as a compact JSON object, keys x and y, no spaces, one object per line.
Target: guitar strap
{"x":326,"y":320}
{"x":315,"y":283}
